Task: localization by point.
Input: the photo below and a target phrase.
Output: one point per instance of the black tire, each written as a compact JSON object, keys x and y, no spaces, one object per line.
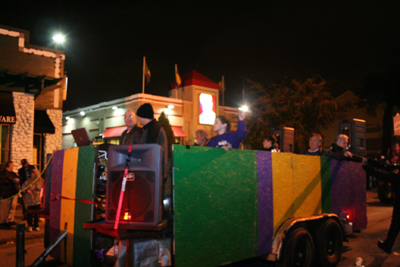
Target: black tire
{"x":385,"y":192}
{"x":298,"y":249}
{"x":329,"y":243}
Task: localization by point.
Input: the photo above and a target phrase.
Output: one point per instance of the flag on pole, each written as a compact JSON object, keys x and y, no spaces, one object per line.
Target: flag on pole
{"x":147,"y":72}
{"x":177,"y":77}
{"x":222,"y":89}
{"x":221,"y":86}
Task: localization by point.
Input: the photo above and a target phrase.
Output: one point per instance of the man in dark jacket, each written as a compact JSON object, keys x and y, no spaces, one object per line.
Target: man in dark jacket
{"x":133,"y":133}
{"x":340,"y":146}
{"x":389,"y":174}
{"x":153,"y":132}
{"x":9,"y":187}
{"x":24,"y":174}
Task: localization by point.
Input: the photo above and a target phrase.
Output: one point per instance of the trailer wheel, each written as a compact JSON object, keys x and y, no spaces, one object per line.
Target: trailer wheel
{"x":329,"y":242}
{"x":385,"y":193}
{"x":299,"y":249}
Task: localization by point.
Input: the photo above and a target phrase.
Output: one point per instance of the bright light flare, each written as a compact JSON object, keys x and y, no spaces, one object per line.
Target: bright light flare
{"x":59,"y":38}
{"x":127,"y":216}
{"x":244,"y":108}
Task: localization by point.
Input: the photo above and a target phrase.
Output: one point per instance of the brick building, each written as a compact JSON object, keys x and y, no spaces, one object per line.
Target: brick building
{"x":32,"y":91}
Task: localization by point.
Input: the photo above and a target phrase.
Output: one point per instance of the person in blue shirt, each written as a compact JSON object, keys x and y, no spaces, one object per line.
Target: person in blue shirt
{"x":226,"y":139}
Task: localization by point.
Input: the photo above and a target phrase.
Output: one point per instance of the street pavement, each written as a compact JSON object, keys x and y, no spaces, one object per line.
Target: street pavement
{"x":364,"y":243}
{"x":34,"y":243}
{"x":360,"y":244}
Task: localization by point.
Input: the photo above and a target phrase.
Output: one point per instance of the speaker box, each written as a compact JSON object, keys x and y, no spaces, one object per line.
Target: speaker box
{"x":285,"y":138}
{"x":142,"y":202}
{"x":356,"y":130}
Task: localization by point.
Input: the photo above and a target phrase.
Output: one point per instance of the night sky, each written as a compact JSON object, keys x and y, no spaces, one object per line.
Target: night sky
{"x":264,"y":42}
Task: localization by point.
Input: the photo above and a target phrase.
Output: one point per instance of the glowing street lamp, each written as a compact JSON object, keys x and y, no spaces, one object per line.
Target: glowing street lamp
{"x":58,"y":39}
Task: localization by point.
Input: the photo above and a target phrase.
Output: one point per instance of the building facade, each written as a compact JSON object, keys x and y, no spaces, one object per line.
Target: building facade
{"x":191,"y":106}
{"x":32,"y":91}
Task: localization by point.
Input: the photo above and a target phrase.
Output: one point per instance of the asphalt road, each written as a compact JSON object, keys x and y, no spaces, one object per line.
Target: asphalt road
{"x":362,"y":244}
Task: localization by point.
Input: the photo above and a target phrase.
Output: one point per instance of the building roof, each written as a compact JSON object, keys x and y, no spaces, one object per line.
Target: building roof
{"x":196,"y":78}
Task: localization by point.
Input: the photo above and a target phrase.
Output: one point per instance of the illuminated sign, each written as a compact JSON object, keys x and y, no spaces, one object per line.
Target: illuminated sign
{"x":207,"y":108}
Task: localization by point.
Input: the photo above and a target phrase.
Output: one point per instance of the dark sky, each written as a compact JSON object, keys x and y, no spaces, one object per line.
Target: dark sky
{"x":265,"y":42}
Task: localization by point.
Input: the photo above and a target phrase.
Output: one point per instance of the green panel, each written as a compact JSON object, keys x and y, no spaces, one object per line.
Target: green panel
{"x":83,"y":211}
{"x":215,"y":203}
{"x":326,"y":184}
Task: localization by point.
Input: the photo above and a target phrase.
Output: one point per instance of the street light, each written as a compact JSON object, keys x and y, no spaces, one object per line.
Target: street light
{"x":58,"y":38}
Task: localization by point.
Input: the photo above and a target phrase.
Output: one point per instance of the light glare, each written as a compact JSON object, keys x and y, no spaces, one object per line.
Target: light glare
{"x":59,"y":38}
{"x":244,"y":108}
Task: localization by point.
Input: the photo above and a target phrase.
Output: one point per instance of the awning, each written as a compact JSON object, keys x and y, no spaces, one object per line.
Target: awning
{"x":7,"y":111}
{"x":178,"y":132}
{"x":113,"y":132}
{"x":30,"y":82}
{"x":43,"y":123}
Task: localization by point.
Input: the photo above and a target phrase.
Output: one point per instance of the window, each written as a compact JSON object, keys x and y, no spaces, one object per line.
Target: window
{"x":4,"y":143}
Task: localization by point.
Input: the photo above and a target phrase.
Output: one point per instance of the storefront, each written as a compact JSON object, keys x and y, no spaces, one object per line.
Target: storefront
{"x":7,"y":118}
{"x":32,"y":91}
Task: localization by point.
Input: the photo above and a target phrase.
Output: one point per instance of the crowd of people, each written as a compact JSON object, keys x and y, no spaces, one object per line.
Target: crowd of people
{"x":26,"y":186}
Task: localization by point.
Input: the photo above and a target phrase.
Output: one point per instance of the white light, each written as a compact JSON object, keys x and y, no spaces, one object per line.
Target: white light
{"x":59,"y":38}
{"x":82,"y":113}
{"x":167,"y":111}
{"x":244,"y":108}
{"x":170,"y":106}
{"x":67,"y":118}
{"x":114,"y":107}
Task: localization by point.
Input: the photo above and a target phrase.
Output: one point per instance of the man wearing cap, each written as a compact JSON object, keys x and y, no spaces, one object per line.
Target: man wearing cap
{"x":133,"y":133}
{"x":153,"y":132}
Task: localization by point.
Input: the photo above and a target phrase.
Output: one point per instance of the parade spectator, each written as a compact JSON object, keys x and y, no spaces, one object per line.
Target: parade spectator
{"x":133,"y":133}
{"x":270,"y":144}
{"x":393,"y":156}
{"x":153,"y":132}
{"x":9,"y":188}
{"x":201,"y":138}
{"x":24,"y":173}
{"x":32,"y":187}
{"x":391,"y":175}
{"x":226,"y":139}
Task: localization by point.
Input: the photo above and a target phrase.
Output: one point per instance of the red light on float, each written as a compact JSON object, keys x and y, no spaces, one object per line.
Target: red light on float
{"x":127,"y":216}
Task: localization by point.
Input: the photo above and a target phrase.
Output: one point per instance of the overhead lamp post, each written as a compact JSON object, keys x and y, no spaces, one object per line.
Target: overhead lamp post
{"x":58,"y":38}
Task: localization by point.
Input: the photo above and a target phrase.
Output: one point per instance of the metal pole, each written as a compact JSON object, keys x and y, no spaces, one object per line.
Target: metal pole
{"x":42,"y":257}
{"x":143,"y":74}
{"x":20,"y":260}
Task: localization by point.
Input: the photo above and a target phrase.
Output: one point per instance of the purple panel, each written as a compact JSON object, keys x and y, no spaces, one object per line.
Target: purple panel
{"x":349,"y":191}
{"x":55,"y":206}
{"x":265,"y":202}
